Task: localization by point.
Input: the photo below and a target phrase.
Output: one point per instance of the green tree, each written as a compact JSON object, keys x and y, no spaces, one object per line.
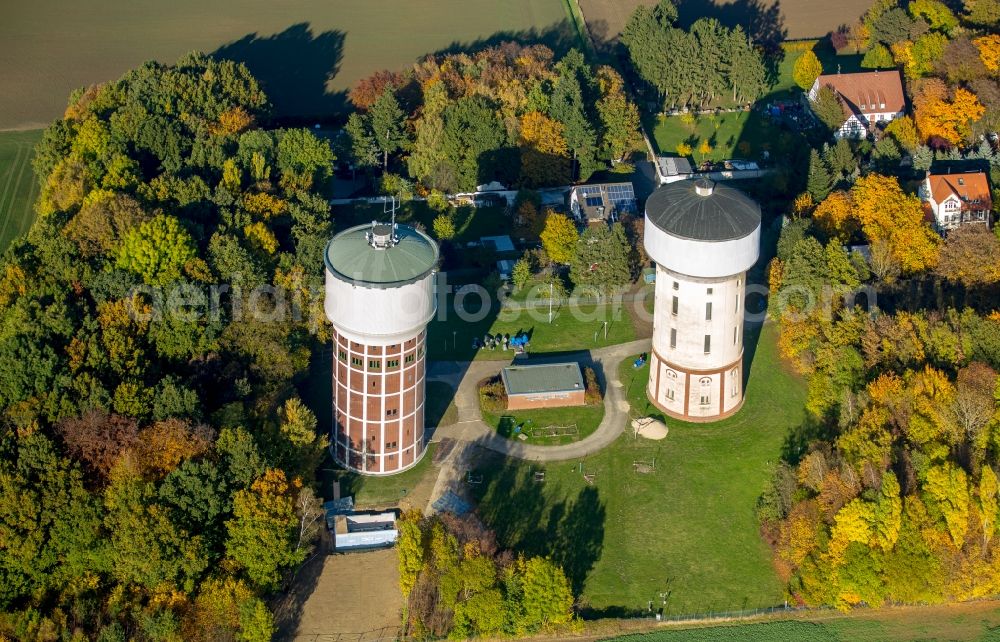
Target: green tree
{"x":260,"y":536}
{"x":472,"y":134}
{"x":603,"y":258}
{"x":444,"y":227}
{"x":878,"y":57}
{"x":829,"y":108}
{"x":568,"y":106}
{"x":388,"y":124}
{"x":364,"y":149}
{"x":157,"y":250}
{"x":745,"y":69}
{"x":520,"y":274}
{"x":559,"y":238}
{"x":807,"y":69}
{"x":303,"y":159}
{"x":820,"y":181}
{"x":547,"y":599}
{"x":147,"y":548}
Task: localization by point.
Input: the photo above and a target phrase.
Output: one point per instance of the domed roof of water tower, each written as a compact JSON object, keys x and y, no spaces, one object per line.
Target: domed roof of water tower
{"x":703,"y":210}
{"x":702,"y":228}
{"x":381,"y":256}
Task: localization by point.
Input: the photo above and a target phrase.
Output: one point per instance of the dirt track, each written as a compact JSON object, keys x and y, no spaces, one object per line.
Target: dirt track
{"x":794,"y":19}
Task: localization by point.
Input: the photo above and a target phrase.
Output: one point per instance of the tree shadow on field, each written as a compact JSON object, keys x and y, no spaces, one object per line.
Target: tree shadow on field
{"x":569,"y":530}
{"x":764,"y":22}
{"x":294,"y":68}
{"x":560,"y":37}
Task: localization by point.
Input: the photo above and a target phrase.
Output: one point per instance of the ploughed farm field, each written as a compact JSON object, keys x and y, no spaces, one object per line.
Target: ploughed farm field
{"x":307,"y":52}
{"x":792,"y":19}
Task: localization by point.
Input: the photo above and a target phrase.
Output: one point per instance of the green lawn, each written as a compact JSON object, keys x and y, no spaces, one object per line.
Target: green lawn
{"x":375,"y":492}
{"x":18,"y":187}
{"x":586,"y":419}
{"x":955,"y":622}
{"x":747,"y":134}
{"x":573,"y":328}
{"x":686,"y":531}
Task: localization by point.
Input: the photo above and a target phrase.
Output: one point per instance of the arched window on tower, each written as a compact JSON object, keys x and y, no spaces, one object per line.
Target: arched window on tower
{"x":671,"y":385}
{"x":734,"y":382}
{"x":705,"y":397}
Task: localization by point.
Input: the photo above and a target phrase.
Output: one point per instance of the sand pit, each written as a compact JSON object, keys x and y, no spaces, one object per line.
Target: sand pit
{"x":649,"y":428}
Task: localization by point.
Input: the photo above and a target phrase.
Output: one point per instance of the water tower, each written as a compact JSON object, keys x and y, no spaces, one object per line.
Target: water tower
{"x":703,"y":237}
{"x":379,"y":298}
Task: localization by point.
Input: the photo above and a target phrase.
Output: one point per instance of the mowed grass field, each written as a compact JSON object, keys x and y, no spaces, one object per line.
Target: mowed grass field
{"x":787,"y":18}
{"x":18,"y":187}
{"x":686,"y":533}
{"x":306,"y":51}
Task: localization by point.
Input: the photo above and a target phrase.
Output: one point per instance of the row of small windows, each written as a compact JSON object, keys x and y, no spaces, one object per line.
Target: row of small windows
{"x":376,"y":364}
{"x":675,"y":303}
{"x":708,"y":339}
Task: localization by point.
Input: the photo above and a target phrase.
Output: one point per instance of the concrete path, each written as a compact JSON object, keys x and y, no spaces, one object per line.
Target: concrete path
{"x":463,"y":377}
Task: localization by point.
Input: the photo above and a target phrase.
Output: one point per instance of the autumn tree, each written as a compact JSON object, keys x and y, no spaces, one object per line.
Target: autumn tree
{"x":619,"y":116}
{"x":904,"y":131}
{"x":559,"y":238}
{"x":807,"y":69}
{"x":227,"y":609}
{"x":947,"y":119}
{"x":261,"y":533}
{"x":544,"y":154}
{"x":989,"y":51}
{"x":835,"y":216}
{"x":888,"y":214}
{"x":444,"y":226}
{"x":970,"y":255}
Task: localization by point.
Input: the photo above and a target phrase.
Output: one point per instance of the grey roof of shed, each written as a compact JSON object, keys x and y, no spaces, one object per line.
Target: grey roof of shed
{"x":725,"y":214}
{"x":351,"y":258}
{"x":542,"y":378}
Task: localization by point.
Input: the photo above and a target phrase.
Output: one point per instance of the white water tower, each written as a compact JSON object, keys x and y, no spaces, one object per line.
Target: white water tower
{"x":703,"y":236}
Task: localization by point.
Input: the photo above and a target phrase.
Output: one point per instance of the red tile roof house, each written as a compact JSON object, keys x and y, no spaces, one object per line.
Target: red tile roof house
{"x":867,"y":98}
{"x":957,"y":199}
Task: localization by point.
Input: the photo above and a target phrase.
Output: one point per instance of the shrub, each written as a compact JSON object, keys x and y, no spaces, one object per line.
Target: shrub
{"x":492,"y":396}
{"x":592,"y":396}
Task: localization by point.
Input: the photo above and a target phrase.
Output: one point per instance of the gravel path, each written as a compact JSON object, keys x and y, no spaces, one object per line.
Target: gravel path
{"x":463,"y":376}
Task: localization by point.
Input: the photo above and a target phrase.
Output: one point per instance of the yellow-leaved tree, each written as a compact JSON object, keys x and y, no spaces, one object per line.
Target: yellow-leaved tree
{"x":835,"y":216}
{"x":989,"y":51}
{"x":888,"y":214}
{"x":949,"y":119}
{"x":559,"y":238}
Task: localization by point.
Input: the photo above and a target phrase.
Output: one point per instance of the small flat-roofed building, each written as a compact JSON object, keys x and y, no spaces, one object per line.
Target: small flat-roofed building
{"x":364,"y":531}
{"x":500,"y":244}
{"x":602,"y":202}
{"x":673,"y":168}
{"x":543,"y":386}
